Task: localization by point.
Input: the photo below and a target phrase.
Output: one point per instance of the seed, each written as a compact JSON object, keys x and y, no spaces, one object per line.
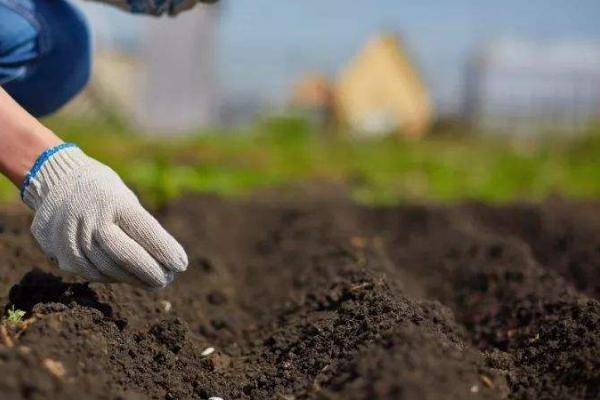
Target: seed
{"x":215,"y":398}
{"x":166,"y":305}
{"x":474,"y":389}
{"x":488,"y":382}
{"x":56,"y":368}
{"x":207,"y":353}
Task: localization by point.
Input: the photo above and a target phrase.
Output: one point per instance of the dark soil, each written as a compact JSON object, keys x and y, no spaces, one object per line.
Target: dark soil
{"x":321,"y":299}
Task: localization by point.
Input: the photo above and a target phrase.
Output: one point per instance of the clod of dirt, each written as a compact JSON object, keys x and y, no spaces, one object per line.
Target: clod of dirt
{"x":51,"y":294}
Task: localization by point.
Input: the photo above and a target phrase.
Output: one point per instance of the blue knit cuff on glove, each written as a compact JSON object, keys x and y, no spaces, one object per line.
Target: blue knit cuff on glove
{"x":45,"y":156}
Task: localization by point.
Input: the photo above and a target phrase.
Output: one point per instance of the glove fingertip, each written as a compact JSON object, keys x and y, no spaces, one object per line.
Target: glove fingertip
{"x":178,"y":262}
{"x":168,"y":278}
{"x":183,"y":262}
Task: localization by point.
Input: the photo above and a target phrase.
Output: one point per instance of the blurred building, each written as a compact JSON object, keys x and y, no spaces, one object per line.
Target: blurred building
{"x":164,"y":78}
{"x":527,"y":89}
{"x":179,"y":88}
{"x":112,"y":92}
{"x":313,"y":96}
{"x":380,"y":91}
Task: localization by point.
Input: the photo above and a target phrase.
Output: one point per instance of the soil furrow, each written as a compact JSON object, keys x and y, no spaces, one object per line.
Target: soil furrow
{"x":321,"y":299}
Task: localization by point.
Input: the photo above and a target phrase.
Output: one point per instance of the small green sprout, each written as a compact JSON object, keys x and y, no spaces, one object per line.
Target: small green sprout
{"x":15,"y":315}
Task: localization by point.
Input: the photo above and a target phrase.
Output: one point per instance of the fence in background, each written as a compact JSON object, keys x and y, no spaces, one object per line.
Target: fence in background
{"x":526,"y":89}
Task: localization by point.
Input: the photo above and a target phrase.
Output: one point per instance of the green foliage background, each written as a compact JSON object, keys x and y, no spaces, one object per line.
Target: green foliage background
{"x":275,"y":151}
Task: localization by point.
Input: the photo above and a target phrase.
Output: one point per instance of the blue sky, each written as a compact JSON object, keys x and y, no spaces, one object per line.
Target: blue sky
{"x":265,"y":45}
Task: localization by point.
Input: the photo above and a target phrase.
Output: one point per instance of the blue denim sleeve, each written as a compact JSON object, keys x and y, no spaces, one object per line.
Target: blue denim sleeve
{"x":18,"y":42}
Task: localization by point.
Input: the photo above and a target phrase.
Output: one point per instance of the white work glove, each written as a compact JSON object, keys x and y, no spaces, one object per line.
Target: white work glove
{"x":88,"y":221}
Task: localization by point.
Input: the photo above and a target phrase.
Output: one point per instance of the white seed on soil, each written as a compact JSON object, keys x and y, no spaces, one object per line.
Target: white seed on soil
{"x":215,"y":398}
{"x":166,"y":305}
{"x":56,"y":368}
{"x":474,"y":389}
{"x":208,"y":352}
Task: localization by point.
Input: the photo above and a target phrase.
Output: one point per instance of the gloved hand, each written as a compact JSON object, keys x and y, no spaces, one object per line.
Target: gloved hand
{"x":178,"y":6}
{"x":156,"y":7}
{"x":88,"y":221}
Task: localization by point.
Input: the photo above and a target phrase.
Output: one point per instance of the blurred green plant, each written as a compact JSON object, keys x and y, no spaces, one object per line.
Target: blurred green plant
{"x":282,"y":150}
{"x":14,"y":316}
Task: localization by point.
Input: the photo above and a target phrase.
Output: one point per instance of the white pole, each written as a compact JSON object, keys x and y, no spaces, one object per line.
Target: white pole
{"x":179,"y":90}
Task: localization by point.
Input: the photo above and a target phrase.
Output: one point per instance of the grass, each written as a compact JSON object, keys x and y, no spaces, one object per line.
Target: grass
{"x":278,"y":151}
{"x":15,"y":316}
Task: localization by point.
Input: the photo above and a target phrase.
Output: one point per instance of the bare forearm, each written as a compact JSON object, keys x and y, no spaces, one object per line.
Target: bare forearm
{"x":22,"y":139}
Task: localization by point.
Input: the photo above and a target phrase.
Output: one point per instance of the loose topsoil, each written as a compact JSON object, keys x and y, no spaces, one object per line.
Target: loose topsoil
{"x":316,"y":298}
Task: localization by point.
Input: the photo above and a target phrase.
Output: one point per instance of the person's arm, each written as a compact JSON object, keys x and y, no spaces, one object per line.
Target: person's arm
{"x":22,"y":139}
{"x":86,"y":219}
